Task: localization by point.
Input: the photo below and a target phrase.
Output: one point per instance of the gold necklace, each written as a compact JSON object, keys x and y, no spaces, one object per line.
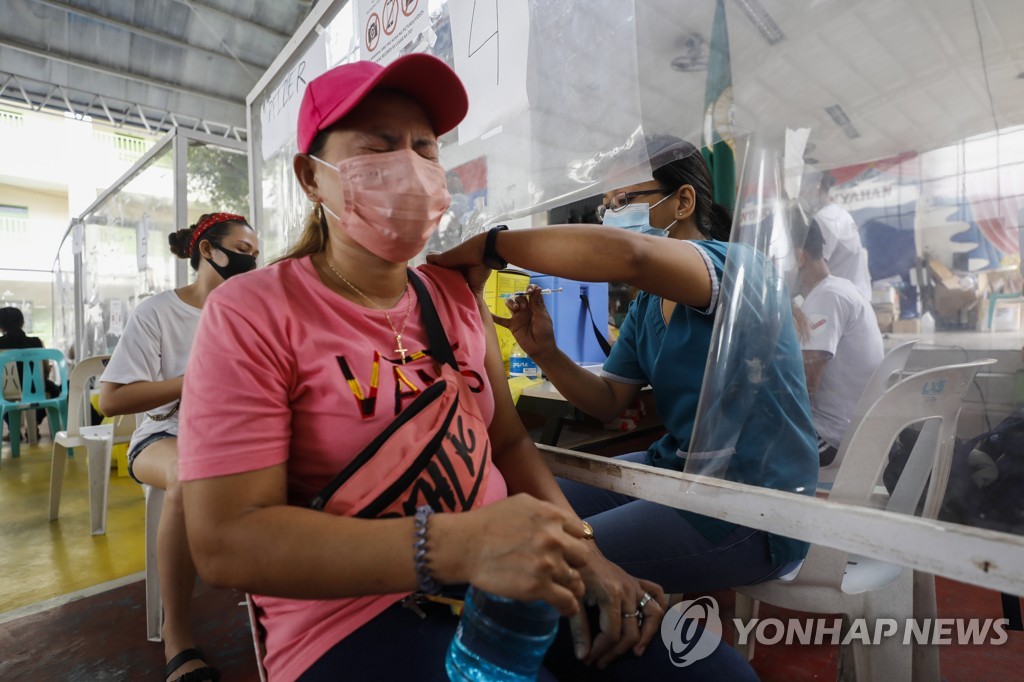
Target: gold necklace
{"x":408,"y":309}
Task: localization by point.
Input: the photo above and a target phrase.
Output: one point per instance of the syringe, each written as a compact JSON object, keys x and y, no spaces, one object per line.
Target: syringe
{"x":517,"y":294}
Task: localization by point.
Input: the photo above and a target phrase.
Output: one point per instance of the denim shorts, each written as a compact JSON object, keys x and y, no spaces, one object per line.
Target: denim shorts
{"x":142,"y":445}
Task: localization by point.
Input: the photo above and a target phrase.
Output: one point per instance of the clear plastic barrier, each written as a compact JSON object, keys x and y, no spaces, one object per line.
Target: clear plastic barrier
{"x":125,"y":255}
{"x":122,"y":240}
{"x":753,"y":421}
{"x":905,"y":148}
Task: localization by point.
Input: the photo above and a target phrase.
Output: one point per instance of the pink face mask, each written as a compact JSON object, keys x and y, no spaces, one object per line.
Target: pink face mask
{"x":393,"y":202}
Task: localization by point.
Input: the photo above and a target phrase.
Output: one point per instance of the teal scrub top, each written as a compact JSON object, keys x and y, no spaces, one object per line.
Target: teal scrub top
{"x":774,"y":439}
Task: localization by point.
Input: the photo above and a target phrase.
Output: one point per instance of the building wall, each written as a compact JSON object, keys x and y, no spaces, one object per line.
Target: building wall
{"x":52,"y":167}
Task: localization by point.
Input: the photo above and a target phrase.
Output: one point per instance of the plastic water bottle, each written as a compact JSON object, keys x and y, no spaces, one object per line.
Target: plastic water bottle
{"x":927,"y":324}
{"x":520,"y":364}
{"x":500,"y":639}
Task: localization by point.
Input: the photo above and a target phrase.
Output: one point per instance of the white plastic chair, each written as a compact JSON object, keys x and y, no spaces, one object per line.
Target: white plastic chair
{"x":154,"y":605}
{"x":98,"y":441}
{"x":894,"y":361}
{"x":832,"y":581}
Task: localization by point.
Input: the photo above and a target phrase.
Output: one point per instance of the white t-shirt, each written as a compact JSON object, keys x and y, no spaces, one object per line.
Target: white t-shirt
{"x":154,"y":347}
{"x":842,"y":325}
{"x":843,"y":252}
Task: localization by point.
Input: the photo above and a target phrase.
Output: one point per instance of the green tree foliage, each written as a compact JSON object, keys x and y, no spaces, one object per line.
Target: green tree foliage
{"x":218,"y":179}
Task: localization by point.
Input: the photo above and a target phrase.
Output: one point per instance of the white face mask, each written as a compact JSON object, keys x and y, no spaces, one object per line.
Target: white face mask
{"x":636,"y":218}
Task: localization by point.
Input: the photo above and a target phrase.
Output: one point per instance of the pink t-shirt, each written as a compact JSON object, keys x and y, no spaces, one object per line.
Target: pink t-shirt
{"x":284,"y":370}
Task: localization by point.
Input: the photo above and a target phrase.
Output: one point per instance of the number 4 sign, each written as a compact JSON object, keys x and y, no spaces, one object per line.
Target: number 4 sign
{"x":490,"y":40}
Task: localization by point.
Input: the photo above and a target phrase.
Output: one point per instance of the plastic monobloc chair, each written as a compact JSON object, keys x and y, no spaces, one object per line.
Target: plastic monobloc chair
{"x":98,"y":441}
{"x":834,"y":581}
{"x":33,"y":390}
{"x":894,"y":361}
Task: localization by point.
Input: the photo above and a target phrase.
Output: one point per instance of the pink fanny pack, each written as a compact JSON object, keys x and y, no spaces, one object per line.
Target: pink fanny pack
{"x":436,"y":452}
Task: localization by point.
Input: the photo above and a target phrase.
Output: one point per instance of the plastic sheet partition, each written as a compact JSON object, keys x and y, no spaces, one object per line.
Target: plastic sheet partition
{"x":125,"y":255}
{"x":917,"y":133}
{"x":63,"y":299}
{"x":582,"y":120}
{"x":753,"y":420}
{"x":116,"y":253}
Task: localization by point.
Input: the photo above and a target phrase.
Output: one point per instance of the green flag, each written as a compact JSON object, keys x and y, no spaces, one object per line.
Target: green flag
{"x":719,"y":147}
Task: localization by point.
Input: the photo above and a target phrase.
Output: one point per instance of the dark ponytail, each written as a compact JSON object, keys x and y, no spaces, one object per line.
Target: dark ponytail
{"x":181,"y":240}
{"x":720,"y":220}
{"x":677,"y":163}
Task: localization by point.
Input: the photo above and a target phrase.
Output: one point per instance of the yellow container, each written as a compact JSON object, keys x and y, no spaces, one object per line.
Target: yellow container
{"x":499,"y":285}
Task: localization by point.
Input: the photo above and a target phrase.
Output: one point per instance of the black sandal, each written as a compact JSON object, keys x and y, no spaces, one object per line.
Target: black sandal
{"x":204,"y":674}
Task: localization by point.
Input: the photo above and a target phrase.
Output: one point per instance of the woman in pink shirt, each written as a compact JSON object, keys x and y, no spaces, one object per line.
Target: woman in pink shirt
{"x":299,"y":367}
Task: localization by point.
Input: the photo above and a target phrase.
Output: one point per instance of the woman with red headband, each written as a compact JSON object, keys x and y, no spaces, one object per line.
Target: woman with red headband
{"x":145,"y":375}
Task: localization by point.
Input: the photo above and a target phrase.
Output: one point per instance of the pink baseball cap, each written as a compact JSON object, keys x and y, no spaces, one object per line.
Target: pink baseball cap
{"x":427,"y":79}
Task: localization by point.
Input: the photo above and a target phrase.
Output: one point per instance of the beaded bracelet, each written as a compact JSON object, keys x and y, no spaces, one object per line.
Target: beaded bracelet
{"x":427,"y":584}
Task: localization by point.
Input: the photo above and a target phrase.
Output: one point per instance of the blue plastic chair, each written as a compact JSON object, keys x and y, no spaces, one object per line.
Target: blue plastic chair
{"x":33,"y":390}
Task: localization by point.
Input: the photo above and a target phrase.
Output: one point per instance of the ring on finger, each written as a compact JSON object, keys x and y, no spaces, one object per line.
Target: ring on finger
{"x":643,"y":601}
{"x":635,"y":614}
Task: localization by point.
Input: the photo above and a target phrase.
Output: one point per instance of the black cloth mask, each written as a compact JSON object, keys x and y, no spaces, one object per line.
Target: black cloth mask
{"x":238,"y":263}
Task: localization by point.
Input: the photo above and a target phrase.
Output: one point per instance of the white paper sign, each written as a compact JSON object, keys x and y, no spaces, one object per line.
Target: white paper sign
{"x":280,"y":110}
{"x":116,"y":317}
{"x":490,"y":49}
{"x":388,"y":27}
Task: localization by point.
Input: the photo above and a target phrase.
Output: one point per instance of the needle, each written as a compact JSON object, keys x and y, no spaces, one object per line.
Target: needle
{"x":517,"y":294}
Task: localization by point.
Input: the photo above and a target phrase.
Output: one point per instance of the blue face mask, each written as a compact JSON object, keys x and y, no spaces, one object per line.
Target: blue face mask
{"x":636,"y":218}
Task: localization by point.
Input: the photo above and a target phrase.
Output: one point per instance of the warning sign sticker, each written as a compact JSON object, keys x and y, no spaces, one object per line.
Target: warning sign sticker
{"x":393,"y":28}
{"x":372,"y":32}
{"x":390,"y":16}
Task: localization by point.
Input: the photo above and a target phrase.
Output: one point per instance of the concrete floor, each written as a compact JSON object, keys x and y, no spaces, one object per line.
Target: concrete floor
{"x":102,"y":625}
{"x":43,"y":559}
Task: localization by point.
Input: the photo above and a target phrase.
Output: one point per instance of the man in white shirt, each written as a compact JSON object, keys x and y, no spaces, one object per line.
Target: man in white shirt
{"x":844,"y":254}
{"x":844,"y":346}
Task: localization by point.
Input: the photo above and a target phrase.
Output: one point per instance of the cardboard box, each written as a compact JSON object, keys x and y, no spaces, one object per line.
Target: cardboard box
{"x":885,"y":315}
{"x":884,"y":294}
{"x":951,"y":295}
{"x":911,"y":326}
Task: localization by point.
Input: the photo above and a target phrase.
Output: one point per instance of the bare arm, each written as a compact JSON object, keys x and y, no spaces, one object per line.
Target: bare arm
{"x":515,"y":453}
{"x":595,"y":395}
{"x":244,"y":535}
{"x":517,"y":458}
{"x":670,"y":268}
{"x":814,"y":367}
{"x":531,"y":326}
{"x":140,"y":396}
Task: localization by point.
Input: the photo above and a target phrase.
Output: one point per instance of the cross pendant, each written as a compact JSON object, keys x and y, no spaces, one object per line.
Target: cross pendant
{"x":399,"y":349}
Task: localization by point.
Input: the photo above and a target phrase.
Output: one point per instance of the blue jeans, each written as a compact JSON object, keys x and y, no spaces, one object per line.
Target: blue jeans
{"x":399,"y":645}
{"x":656,"y":543}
